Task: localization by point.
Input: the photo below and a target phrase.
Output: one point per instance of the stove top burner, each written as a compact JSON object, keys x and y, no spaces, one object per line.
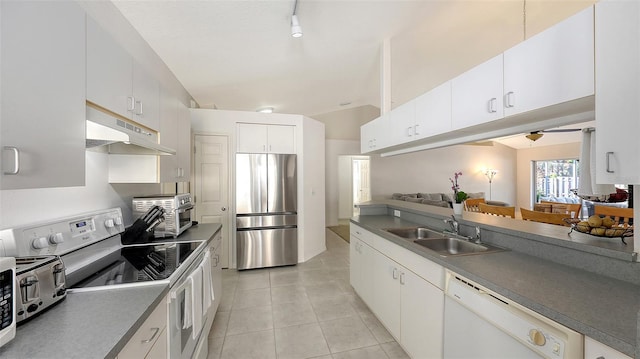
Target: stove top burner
{"x":138,"y":264}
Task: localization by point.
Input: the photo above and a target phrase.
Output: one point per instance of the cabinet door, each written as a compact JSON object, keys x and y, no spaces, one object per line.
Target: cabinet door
{"x":433,"y":112}
{"x":281,"y":139}
{"x":367,"y":276}
{"x":355,"y":264}
{"x":43,"y":94}
{"x":146,"y":93}
{"x":617,"y":42}
{"x":422,"y":317}
{"x":252,"y":138}
{"x":109,"y":71}
{"x":143,"y":340}
{"x":593,"y":349}
{"x":476,"y":95}
{"x":373,"y":134}
{"x":552,"y":67}
{"x":401,"y":124}
{"x":169,"y":171}
{"x":386,"y":303}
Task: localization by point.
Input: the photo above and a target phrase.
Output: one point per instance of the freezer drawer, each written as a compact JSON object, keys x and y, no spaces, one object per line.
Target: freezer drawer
{"x":276,"y":220}
{"x":266,"y":247}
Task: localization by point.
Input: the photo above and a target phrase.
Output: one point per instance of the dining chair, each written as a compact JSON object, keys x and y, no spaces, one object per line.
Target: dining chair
{"x":560,"y":207}
{"x":619,"y":215}
{"x":500,"y":211}
{"x":544,"y":217}
{"x":471,"y":204}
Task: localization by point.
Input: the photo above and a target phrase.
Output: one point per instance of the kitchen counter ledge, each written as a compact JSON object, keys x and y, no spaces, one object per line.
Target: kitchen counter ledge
{"x":94,"y":324}
{"x":598,"y":306}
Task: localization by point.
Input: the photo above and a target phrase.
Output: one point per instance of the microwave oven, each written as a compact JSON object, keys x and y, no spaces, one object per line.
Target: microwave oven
{"x":178,"y":212}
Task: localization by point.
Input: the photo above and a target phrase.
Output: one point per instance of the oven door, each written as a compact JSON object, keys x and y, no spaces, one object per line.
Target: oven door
{"x":188,"y":308}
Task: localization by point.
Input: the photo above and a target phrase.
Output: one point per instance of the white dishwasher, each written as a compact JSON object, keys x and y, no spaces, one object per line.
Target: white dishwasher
{"x":481,"y":324}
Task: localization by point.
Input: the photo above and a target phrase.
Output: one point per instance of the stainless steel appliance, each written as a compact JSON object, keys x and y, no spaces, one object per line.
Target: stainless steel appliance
{"x":7,"y":299}
{"x":266,"y":210}
{"x":95,"y":259}
{"x":41,"y":282}
{"x":178,"y":212}
{"x":479,"y":323}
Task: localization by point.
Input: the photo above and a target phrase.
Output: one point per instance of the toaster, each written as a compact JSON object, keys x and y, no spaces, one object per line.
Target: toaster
{"x":40,"y":283}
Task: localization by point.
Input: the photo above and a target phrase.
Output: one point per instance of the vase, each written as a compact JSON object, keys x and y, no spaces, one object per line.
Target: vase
{"x":457,"y":208}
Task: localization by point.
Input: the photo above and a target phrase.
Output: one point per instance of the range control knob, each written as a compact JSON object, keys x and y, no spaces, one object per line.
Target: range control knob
{"x":56,"y":238}
{"x":537,"y":337}
{"x":109,"y":223}
{"x":40,"y":243}
{"x":118,"y":221}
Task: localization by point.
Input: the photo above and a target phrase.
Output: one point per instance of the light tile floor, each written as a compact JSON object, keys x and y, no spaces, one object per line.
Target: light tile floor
{"x":305,"y":311}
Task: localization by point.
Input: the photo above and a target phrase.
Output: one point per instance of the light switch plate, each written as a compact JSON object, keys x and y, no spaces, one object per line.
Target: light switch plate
{"x":396,"y":213}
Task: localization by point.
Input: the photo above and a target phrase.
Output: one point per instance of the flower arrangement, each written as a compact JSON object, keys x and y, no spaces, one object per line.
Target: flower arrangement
{"x":459,"y":196}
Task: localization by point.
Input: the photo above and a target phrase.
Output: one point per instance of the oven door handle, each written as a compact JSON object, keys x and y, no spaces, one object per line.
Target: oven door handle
{"x":184,"y":209}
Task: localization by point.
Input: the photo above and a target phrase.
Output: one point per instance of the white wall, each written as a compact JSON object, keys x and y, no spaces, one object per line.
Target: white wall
{"x":524,"y":178}
{"x":26,"y":206}
{"x":430,"y":170}
{"x":334,"y":149}
{"x":345,"y":124}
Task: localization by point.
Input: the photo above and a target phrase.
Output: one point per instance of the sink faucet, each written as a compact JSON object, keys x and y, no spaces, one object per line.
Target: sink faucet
{"x":453,"y":223}
{"x":477,"y":237}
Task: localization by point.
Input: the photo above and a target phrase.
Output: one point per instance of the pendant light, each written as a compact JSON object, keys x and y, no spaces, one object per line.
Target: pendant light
{"x":296,"y":29}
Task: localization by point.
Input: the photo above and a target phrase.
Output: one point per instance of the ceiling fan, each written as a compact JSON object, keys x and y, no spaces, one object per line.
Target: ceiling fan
{"x":536,"y":135}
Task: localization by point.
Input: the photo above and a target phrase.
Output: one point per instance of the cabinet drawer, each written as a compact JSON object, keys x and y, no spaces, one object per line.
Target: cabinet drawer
{"x":144,"y":339}
{"x":366,"y":236}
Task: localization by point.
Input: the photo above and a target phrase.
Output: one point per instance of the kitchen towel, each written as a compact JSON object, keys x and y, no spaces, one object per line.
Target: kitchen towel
{"x":196,"y":307}
{"x":207,"y":284}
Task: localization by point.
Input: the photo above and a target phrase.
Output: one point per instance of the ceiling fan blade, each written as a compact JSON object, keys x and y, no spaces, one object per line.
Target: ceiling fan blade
{"x":562,"y":130}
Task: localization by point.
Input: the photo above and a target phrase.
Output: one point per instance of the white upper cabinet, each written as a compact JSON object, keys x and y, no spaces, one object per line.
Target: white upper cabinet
{"x":402,"y":121}
{"x":175,"y":132}
{"x":617,"y":44}
{"x":43,"y":94}
{"x":553,"y":67}
{"x":374,"y":134}
{"x":433,"y":112}
{"x":477,"y":95}
{"x":259,"y":138}
{"x":184,"y":143}
{"x":118,"y":83}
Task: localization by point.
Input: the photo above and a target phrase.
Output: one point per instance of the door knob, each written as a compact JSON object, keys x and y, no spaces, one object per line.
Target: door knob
{"x":223,"y":209}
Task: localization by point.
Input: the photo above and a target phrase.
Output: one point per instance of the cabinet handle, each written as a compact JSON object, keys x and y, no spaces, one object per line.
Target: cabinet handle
{"x":269,"y":148}
{"x":508,"y":99}
{"x":609,"y":170}
{"x":492,"y":105}
{"x":409,"y":134}
{"x":217,"y":259}
{"x":402,"y":278}
{"x":415,"y":130}
{"x":601,"y":357}
{"x":141,"y":113}
{"x":155,"y":332}
{"x":264,"y":148}
{"x":131,"y":106}
{"x":395,"y":273}
{"x":16,"y":160}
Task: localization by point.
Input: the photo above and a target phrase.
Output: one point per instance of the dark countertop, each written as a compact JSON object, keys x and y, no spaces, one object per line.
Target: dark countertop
{"x":595,"y":305}
{"x":94,"y":324}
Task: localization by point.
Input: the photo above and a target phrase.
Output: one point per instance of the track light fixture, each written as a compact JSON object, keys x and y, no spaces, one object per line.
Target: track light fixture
{"x":296,"y":29}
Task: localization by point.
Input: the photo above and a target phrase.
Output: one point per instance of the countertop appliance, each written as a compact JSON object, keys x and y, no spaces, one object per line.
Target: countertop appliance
{"x":479,"y":323}
{"x":7,"y":299}
{"x":95,"y":259}
{"x":266,"y":210}
{"x":41,"y":283}
{"x":178,"y":212}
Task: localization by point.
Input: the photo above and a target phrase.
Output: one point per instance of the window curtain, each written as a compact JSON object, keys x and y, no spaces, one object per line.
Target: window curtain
{"x":588,"y":185}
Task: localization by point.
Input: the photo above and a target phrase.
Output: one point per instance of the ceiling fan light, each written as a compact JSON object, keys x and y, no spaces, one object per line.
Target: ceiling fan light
{"x":296,"y":29}
{"x":265,"y":110}
{"x":534,"y":136}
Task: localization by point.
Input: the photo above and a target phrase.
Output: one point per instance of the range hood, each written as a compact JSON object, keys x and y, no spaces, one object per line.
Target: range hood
{"x":121,"y":136}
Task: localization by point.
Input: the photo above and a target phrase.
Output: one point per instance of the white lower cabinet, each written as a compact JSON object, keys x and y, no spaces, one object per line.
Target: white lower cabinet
{"x":408,"y":305}
{"x":593,"y":349}
{"x":148,"y":341}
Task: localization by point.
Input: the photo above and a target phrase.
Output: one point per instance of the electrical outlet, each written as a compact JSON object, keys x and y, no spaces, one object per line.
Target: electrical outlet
{"x":396,"y":213}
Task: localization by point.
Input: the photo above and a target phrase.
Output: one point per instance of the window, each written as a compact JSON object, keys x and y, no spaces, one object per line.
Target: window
{"x":556,"y":178}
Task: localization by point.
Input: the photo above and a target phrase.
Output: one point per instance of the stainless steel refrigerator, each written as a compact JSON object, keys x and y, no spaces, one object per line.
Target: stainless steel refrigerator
{"x":266,"y":210}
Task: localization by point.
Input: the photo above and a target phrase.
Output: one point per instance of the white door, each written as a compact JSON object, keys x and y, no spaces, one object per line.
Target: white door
{"x":212,"y":185}
{"x":361,"y":178}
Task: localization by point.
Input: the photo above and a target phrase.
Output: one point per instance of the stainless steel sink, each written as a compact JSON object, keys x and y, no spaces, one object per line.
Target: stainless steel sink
{"x":444,"y":245}
{"x":448,"y":246}
{"x":415,"y":232}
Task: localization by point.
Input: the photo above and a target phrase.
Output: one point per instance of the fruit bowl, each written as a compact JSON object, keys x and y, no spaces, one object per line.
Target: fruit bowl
{"x":613,"y":231}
